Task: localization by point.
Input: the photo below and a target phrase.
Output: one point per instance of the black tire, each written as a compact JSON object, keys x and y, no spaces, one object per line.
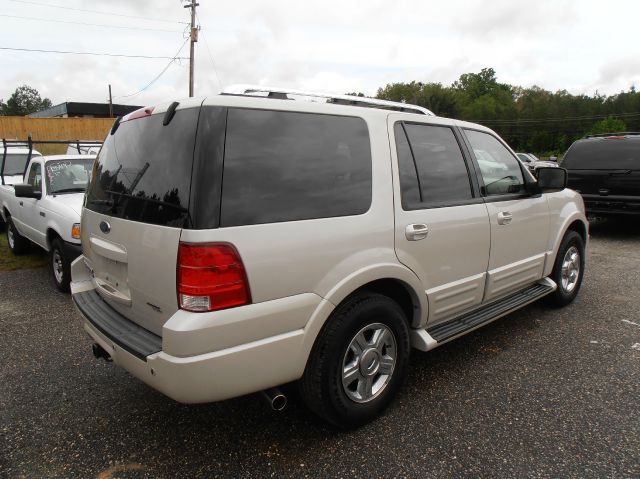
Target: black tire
{"x":322,"y":386}
{"x":18,"y":244}
{"x":563,"y":296}
{"x":60,"y":266}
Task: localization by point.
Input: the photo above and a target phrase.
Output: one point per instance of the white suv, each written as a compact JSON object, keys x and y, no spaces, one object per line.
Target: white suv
{"x":238,"y":243}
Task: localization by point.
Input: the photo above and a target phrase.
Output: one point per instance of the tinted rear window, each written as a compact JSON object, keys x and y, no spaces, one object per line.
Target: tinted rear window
{"x":603,"y":154}
{"x":143,"y":171}
{"x":15,"y":163}
{"x":285,"y":166}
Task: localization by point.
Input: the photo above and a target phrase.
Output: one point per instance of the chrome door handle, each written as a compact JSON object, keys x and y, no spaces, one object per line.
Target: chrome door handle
{"x":504,"y":218}
{"x":416,"y":232}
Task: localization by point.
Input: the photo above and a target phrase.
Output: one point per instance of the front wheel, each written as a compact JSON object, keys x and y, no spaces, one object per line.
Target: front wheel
{"x":60,"y":266}
{"x":359,"y":361}
{"x":568,"y":269}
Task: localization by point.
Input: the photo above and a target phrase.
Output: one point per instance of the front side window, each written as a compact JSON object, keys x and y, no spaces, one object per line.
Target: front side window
{"x":500,"y":170}
{"x":35,"y":176}
{"x":432,"y":169}
{"x":288,"y":166}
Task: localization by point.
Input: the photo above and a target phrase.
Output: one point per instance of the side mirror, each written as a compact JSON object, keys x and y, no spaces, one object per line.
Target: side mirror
{"x":27,"y":191}
{"x":553,"y":158}
{"x":552,"y":179}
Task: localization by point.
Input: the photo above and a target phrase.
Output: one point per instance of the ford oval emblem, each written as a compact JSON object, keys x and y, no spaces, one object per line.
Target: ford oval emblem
{"x":105,"y":227}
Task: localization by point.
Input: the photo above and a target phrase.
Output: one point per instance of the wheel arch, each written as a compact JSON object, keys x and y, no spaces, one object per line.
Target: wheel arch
{"x":391,"y":280}
{"x":577,"y":223}
{"x":51,"y":234}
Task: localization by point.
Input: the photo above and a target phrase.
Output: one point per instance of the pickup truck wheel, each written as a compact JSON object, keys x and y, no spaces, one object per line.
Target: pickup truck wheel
{"x":568,"y":270}
{"x":60,"y":267}
{"x":358,"y":362}
{"x":18,"y":244}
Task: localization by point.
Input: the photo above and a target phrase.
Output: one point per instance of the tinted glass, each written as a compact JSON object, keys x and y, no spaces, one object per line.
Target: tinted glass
{"x":409,"y":190}
{"x":15,"y":163}
{"x":603,"y":154}
{"x":68,"y":176}
{"x":35,"y":176}
{"x":524,"y":157}
{"x":143,"y":171}
{"x":442,"y":173}
{"x":284,"y":166}
{"x":500,"y":170}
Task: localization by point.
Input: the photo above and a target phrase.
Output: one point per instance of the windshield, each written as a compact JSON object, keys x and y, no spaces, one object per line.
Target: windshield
{"x":68,"y":176}
{"x":15,"y":163}
{"x":524,"y":157}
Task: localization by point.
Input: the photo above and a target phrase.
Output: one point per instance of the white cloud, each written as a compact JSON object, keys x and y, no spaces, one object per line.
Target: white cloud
{"x":331,"y":46}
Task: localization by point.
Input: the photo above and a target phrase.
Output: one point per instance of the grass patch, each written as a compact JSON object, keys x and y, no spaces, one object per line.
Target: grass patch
{"x":35,"y":258}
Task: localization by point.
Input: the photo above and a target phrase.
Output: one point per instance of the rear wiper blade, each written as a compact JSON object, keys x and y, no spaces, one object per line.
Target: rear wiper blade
{"x":101,"y":202}
{"x":69,"y":190}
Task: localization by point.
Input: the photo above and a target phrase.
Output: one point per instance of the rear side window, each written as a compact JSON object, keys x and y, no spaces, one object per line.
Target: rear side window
{"x":432,"y":169}
{"x":603,"y":154}
{"x":286,"y":166}
{"x":143,"y":171}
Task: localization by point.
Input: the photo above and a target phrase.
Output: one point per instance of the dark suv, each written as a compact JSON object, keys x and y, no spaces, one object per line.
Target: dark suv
{"x":605,"y":169}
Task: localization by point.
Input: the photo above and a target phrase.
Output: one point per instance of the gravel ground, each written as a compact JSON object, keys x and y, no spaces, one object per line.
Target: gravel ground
{"x":540,"y":393}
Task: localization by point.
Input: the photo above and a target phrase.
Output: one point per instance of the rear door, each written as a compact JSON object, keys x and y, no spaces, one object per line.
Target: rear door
{"x":442,"y":226}
{"x":136,"y":206}
{"x":519,"y":221}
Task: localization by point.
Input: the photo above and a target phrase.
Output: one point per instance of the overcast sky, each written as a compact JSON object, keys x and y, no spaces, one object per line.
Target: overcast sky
{"x":336,"y":46}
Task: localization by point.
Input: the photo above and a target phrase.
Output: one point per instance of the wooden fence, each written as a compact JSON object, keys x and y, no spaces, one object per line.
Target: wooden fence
{"x":20,"y":127}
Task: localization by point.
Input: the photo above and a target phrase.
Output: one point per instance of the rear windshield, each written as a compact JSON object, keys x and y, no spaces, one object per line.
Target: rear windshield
{"x":603,"y":154}
{"x":15,"y":163}
{"x":143,"y":171}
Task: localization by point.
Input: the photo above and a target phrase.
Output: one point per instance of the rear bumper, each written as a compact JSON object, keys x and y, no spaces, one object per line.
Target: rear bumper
{"x":230,"y":368}
{"x":611,"y":206}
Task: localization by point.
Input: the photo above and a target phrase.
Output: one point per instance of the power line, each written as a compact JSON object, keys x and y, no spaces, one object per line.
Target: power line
{"x":150,"y":57}
{"x":206,"y":44}
{"x":89,"y":24}
{"x":94,"y":11}
{"x":175,"y":57}
{"x":524,"y":121}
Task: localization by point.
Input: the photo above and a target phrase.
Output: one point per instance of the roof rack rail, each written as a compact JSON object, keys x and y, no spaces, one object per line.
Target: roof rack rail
{"x":29,"y":144}
{"x":615,"y":133}
{"x":284,"y":94}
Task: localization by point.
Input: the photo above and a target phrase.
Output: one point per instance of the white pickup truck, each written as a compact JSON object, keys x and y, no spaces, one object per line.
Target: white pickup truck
{"x":45,"y":209}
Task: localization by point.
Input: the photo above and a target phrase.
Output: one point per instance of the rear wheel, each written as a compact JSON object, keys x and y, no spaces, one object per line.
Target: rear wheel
{"x":60,"y":266}
{"x":359,"y":361}
{"x":568,"y":269}
{"x":18,"y":244}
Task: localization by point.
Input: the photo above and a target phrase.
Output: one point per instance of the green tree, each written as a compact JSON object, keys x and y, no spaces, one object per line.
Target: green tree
{"x":24,"y":101}
{"x":608,"y":125}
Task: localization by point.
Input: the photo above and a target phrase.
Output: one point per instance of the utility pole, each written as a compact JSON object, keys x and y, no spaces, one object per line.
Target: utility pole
{"x":110,"y":103}
{"x":194,"y":39}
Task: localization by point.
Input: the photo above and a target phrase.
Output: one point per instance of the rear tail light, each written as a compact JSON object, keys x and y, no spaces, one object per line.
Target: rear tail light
{"x":211,"y":276}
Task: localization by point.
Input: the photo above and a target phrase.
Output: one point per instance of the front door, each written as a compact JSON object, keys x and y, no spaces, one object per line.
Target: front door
{"x":519,"y":220}
{"x":442,"y":226}
{"x":31,"y":221}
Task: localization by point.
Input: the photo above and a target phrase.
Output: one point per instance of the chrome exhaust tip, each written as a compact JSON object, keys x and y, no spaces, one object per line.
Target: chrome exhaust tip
{"x":275,"y":398}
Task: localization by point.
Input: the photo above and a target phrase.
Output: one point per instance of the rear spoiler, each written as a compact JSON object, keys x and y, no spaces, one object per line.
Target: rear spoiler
{"x":29,"y":144}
